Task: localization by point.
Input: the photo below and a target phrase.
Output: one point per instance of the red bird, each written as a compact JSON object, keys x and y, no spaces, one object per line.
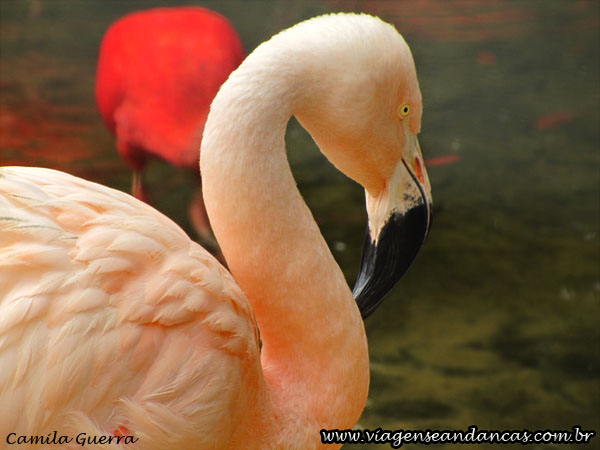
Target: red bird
{"x":158,"y":72}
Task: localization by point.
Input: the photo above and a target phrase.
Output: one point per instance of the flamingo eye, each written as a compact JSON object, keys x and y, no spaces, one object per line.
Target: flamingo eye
{"x":404,"y":110}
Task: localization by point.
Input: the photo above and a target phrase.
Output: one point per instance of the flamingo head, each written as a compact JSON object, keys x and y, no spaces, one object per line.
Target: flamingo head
{"x":364,"y":112}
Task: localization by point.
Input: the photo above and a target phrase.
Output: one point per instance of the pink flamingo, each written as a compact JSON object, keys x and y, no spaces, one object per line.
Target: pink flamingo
{"x":115,"y":324}
{"x":158,"y":71}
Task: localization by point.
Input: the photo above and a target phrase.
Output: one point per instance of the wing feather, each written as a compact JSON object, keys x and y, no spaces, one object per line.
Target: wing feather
{"x":110,"y":315}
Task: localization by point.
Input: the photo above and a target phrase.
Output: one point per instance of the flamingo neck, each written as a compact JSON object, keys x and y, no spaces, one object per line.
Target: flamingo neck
{"x":314,"y":351}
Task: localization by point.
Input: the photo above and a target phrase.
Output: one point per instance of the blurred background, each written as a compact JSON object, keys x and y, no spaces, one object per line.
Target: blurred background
{"x":497,"y":323}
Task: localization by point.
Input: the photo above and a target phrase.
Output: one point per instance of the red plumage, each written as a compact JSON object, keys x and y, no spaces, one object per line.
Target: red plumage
{"x":158,"y":71}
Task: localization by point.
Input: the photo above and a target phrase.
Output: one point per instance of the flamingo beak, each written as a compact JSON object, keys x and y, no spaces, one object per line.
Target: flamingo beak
{"x":390,"y":248}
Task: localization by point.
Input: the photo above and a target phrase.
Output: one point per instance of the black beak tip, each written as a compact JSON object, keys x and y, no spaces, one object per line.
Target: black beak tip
{"x":385,"y":262}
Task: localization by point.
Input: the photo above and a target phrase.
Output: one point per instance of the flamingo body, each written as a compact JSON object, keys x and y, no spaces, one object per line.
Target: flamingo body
{"x":158,"y":71}
{"x":102,"y":296}
{"x":112,"y":321}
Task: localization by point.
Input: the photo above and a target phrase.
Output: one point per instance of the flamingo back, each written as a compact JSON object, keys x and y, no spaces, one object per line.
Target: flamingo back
{"x":108,"y":308}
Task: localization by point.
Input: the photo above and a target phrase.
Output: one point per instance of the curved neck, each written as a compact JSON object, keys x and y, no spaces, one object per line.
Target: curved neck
{"x":314,"y":354}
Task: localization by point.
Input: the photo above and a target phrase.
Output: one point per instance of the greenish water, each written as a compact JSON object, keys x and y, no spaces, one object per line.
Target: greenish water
{"x":497,"y":322}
